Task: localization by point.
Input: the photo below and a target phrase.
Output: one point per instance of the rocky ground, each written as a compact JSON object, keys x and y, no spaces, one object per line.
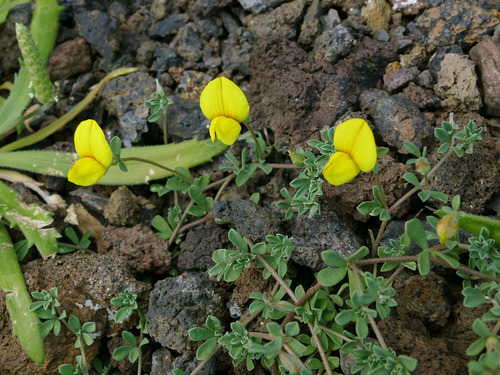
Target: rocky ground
{"x":304,"y":65}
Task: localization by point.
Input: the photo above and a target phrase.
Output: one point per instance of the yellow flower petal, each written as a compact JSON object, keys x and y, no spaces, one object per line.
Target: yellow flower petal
{"x":340,"y":169}
{"x":226,"y":129}
{"x":354,"y":137}
{"x":222,"y":97}
{"x":90,"y":142}
{"x":87,"y":171}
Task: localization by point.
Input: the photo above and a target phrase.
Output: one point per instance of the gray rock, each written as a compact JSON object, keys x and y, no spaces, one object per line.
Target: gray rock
{"x":394,"y":81}
{"x":124,"y":99}
{"x":327,"y":231}
{"x":249,"y":219}
{"x":311,"y":26}
{"x":486,"y":55}
{"x":178,"y":304}
{"x":258,"y":6}
{"x":339,"y":42}
{"x":237,"y":50}
{"x":185,"y":120}
{"x":86,"y":285}
{"x":453,"y":22}
{"x":164,"y":58}
{"x":381,"y":36}
{"x":168,"y":26}
{"x":422,"y":98}
{"x":187,"y":44}
{"x":97,"y":28}
{"x":397,"y":120}
{"x":209,"y":27}
{"x":90,"y":199}
{"x":435,"y":61}
{"x":161,"y":362}
{"x":284,"y":20}
{"x":199,"y":245}
{"x":457,"y":84}
{"x":331,"y":20}
{"x":425,"y":79}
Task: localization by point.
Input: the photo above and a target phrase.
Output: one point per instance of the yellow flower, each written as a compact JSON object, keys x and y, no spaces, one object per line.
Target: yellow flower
{"x":95,"y":154}
{"x":225,"y":104}
{"x":447,"y":227}
{"x":356,"y":150}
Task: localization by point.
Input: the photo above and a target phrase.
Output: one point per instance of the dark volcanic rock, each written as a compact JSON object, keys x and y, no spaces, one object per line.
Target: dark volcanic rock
{"x":86,"y":285}
{"x":453,"y":22}
{"x":69,"y":58}
{"x":97,"y":28}
{"x":486,"y":55}
{"x":397,"y":120}
{"x":178,"y":304}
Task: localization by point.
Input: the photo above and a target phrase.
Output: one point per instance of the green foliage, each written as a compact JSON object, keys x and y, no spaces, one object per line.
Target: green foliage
{"x":158,"y":103}
{"x":376,"y":207}
{"x":166,"y":227}
{"x":210,"y":335}
{"x":244,"y":171}
{"x":44,"y":27}
{"x":78,"y":243}
{"x":373,"y":359}
{"x":127,"y":301}
{"x":17,"y":299}
{"x":32,"y":220}
{"x":309,"y":184}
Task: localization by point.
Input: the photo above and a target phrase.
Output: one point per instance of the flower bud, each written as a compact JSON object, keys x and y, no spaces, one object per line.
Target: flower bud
{"x":291,"y":362}
{"x":296,"y":159}
{"x":447,"y":227}
{"x":422,"y":165}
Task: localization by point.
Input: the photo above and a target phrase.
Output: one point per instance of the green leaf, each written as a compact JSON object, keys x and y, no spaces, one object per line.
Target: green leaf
{"x":426,"y":194}
{"x":412,"y":149}
{"x":331,"y":276}
{"x":367,"y":208}
{"x":67,"y":369}
{"x":200,"y":334}
{"x":237,"y":240}
{"x":361,"y":328}
{"x":206,"y":349}
{"x":259,"y":248}
{"x":333,"y":258}
{"x":129,"y":337}
{"x":122,"y":352}
{"x":424,"y":264}
{"x":344,"y":317}
{"x":292,"y":328}
{"x":32,"y":220}
{"x":359,"y":254}
{"x":476,"y":347}
{"x":412,"y":179}
{"x":213,"y":324}
{"x":184,"y":154}
{"x":416,"y":232}
{"x":480,"y":328}
{"x":473,"y":297}
{"x":74,"y":323}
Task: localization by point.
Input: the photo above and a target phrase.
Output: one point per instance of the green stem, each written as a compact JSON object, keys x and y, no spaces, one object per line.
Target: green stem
{"x":179,"y":224}
{"x":414,"y":258}
{"x":82,"y":349}
{"x":345,"y":338}
{"x":164,"y":122}
{"x":257,"y":147}
{"x":373,"y":324}
{"x":142,"y":160}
